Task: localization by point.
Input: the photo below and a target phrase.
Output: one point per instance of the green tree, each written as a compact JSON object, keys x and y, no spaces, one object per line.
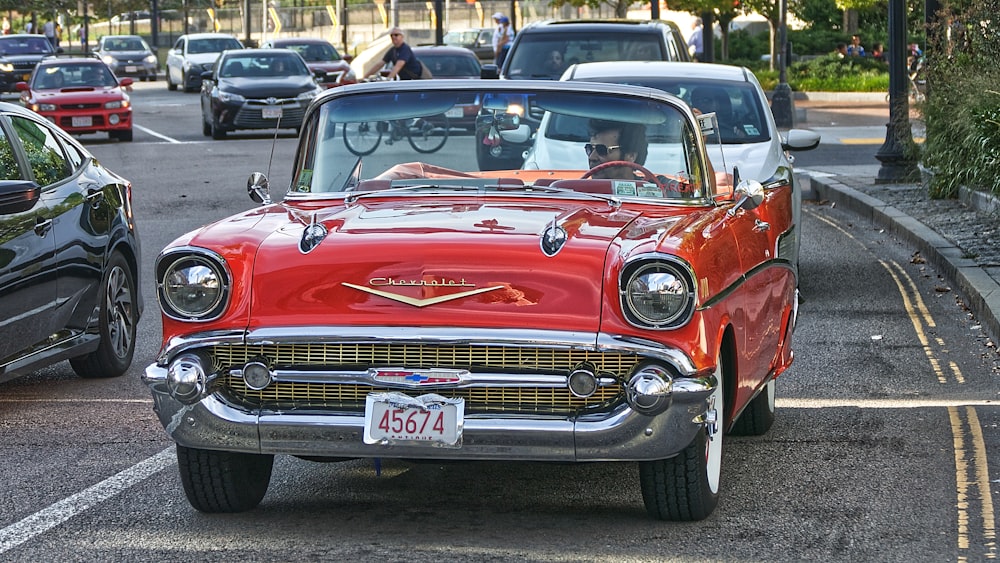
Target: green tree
{"x":723,"y":11}
{"x":619,"y":6}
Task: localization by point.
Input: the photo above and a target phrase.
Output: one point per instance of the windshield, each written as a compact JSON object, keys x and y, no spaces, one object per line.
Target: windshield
{"x":217,"y":45}
{"x":314,"y":52}
{"x":124,"y":44}
{"x":602,"y":144}
{"x":25,"y":46}
{"x":252,"y":64}
{"x":55,"y":77}
{"x":546,"y":56}
{"x":738,"y":107}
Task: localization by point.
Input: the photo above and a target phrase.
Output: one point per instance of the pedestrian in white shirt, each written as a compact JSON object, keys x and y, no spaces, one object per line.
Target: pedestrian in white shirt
{"x":696,"y":42}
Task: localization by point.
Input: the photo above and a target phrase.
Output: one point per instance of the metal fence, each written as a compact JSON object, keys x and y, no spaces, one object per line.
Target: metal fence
{"x":361,"y":22}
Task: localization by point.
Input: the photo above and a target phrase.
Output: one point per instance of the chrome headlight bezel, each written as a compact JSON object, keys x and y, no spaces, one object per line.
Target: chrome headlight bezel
{"x":657,"y":292}
{"x":231,"y":97}
{"x":211,"y":275}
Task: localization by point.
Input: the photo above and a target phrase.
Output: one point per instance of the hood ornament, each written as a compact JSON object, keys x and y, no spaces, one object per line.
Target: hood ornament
{"x":553,"y":239}
{"x":313,"y":234}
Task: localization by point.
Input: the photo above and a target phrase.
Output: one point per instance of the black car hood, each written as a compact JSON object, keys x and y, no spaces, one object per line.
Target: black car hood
{"x":29,"y":58}
{"x":267,"y":87}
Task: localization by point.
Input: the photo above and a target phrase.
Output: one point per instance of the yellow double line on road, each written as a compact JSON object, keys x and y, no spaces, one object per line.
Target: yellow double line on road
{"x":972,"y":476}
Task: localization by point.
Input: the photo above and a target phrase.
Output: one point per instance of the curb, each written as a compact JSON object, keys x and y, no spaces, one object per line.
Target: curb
{"x":980,"y":290}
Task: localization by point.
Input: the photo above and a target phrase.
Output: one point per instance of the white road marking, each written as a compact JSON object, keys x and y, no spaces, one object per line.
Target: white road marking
{"x":48,"y":518}
{"x":155,"y":134}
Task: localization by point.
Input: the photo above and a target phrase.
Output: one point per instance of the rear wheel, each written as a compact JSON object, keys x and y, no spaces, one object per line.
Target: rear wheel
{"x":427,"y":134}
{"x":217,"y":481}
{"x":362,"y":138}
{"x":686,"y":486}
{"x":117,"y":317}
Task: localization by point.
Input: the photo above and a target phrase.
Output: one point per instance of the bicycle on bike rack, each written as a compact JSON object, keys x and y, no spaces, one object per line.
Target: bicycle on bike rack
{"x":425,"y":134}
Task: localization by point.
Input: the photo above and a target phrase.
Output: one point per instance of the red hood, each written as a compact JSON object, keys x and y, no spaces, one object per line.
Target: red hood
{"x":385,"y":264}
{"x":78,"y":95}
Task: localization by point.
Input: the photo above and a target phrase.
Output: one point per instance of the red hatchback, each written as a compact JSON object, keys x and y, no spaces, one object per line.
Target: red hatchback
{"x":80,"y":96}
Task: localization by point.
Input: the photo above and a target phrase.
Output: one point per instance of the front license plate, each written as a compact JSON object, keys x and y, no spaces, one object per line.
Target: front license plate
{"x":271,"y":113}
{"x":454,"y":113}
{"x":85,"y":121}
{"x":130,"y":68}
{"x":393,"y":418}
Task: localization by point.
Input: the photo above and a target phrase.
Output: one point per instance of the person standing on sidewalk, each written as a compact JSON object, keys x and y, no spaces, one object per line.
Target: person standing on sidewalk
{"x":49,"y":31}
{"x":504,"y":35}
{"x":696,"y":42}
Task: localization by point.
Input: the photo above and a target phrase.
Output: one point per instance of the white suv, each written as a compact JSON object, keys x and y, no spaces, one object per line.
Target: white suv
{"x":193,"y":54}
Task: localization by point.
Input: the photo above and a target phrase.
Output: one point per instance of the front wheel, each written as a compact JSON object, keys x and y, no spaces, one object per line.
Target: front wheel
{"x":427,"y":134}
{"x":117,"y":317}
{"x":758,"y":416}
{"x":686,"y":487}
{"x":216,"y":481}
{"x":362,"y":138}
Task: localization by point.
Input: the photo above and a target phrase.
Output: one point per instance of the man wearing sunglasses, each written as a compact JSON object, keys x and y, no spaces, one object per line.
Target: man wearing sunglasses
{"x":614,"y":141}
{"x":401,"y":59}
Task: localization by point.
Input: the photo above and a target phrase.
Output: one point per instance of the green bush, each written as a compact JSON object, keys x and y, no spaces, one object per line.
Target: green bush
{"x":962,"y":110}
{"x":831,"y":74}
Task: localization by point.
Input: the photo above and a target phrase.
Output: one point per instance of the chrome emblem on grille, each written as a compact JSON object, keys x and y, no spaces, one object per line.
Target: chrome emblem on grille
{"x":417,"y":377}
{"x":271,"y":101}
{"x":416,"y":301}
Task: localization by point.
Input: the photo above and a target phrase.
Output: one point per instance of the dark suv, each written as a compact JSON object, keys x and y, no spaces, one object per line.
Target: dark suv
{"x":19,"y":55}
{"x":543,"y":50}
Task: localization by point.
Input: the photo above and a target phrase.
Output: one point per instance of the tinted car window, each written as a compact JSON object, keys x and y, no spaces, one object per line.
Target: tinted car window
{"x":314,"y":52}
{"x":8,"y":164}
{"x":25,"y":46}
{"x":533,"y":57}
{"x":450,"y":65}
{"x":45,"y":155}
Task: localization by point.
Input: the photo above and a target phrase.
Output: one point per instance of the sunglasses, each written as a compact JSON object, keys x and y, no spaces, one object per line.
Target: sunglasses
{"x":602,"y":150}
{"x":395,"y":35}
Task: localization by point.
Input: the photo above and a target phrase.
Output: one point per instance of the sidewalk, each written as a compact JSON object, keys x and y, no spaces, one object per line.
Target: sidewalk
{"x":959,"y":237}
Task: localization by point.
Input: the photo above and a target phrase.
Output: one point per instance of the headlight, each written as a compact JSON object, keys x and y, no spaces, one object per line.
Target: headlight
{"x":45,"y":107}
{"x":310,"y":94}
{"x":192,"y":284}
{"x":6,"y":67}
{"x":657,"y":293}
{"x":150,"y":59}
{"x":117,"y":104}
{"x":108,"y":59}
{"x":230,"y":98}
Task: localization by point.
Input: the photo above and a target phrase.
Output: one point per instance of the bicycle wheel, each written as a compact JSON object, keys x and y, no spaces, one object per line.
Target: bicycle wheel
{"x":362,"y":138}
{"x":427,"y":134}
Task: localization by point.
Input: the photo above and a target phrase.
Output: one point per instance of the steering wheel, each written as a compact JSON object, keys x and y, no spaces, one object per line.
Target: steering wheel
{"x":646,"y":174}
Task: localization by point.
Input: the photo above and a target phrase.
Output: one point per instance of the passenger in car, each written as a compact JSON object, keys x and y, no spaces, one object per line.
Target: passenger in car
{"x":612,"y":141}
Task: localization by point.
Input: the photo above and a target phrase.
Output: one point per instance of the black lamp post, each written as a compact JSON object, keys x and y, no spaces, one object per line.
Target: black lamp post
{"x":897,"y":166}
{"x":782,"y":105}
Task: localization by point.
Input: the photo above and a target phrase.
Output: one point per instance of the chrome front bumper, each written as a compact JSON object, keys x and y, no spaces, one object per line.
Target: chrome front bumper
{"x":622,"y":434}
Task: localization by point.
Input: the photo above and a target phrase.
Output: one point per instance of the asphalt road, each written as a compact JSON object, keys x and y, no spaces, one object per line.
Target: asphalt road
{"x":883,"y":449}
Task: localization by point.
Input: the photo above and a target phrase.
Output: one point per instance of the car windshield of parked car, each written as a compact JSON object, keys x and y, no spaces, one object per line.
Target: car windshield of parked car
{"x":546,"y":56}
{"x":251,"y":65}
{"x":641,"y":147}
{"x":214,"y":45}
{"x":25,"y":45}
{"x":451,"y":65}
{"x":125,"y":44}
{"x":314,"y":52}
{"x":737,"y":106}
{"x":461,"y":38}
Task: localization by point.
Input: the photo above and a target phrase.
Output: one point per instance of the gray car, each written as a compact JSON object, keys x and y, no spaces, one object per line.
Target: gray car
{"x":193,"y":54}
{"x":128,"y":55}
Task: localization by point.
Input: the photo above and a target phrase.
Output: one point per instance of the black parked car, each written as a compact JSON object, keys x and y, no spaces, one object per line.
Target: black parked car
{"x":69,"y":254}
{"x":256,"y":89}
{"x":19,"y":54}
{"x":543,"y":50}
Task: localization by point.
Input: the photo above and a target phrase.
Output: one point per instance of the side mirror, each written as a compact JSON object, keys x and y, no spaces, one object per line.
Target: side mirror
{"x":126,"y":82}
{"x":258,"y":189}
{"x":750,"y":194}
{"x":489,"y":72}
{"x":18,"y":196}
{"x":206,"y":75}
{"x":22,"y":87}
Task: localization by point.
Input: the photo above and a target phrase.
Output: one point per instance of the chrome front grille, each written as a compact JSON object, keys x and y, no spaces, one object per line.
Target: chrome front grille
{"x":479,"y":399}
{"x":250,"y":115}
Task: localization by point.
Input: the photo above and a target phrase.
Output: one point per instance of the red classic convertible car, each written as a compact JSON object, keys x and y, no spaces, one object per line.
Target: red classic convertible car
{"x":631,"y":304}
